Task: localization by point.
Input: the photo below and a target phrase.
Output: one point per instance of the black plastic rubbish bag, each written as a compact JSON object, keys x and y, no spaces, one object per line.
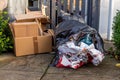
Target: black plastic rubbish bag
{"x":77,"y":44}
{"x":65,"y":29}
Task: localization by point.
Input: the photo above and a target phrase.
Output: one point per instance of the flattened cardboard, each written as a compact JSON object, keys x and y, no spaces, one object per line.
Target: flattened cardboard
{"x":50,"y":31}
{"x":33,"y":12}
{"x":26,"y":20}
{"x":44,"y":27}
{"x":29,"y":16}
{"x":11,"y":28}
{"x":39,"y":27}
{"x":44,"y":20}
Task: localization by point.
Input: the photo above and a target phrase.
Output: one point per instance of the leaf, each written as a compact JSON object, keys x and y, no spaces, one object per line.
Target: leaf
{"x":116,"y":32}
{"x":8,"y":39}
{"x":10,"y":47}
{"x":5,"y":33}
{"x":0,"y":33}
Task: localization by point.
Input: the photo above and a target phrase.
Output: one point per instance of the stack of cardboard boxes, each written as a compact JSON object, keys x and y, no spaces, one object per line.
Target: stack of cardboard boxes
{"x":31,"y":35}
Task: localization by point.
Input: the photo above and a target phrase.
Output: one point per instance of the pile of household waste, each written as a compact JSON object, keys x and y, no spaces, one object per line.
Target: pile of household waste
{"x":77,"y":44}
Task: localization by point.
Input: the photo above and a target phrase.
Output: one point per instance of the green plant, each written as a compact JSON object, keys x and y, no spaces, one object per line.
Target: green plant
{"x":6,"y":42}
{"x":116,"y":33}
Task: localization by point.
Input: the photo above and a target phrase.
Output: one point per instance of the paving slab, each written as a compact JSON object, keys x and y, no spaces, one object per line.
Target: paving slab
{"x":105,"y":71}
{"x":25,"y":68}
{"x":34,"y":66}
{"x":19,"y":75}
{"x":108,"y":44}
{"x":6,"y":58}
{"x":78,"y":77}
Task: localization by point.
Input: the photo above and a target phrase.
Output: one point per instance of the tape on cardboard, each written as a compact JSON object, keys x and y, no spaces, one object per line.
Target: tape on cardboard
{"x":35,"y":42}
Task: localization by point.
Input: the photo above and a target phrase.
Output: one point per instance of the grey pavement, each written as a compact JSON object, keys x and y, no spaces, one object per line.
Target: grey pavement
{"x":35,"y":67}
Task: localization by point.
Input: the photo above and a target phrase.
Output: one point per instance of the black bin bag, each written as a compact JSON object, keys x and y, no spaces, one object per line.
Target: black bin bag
{"x":77,"y":44}
{"x":67,"y":28}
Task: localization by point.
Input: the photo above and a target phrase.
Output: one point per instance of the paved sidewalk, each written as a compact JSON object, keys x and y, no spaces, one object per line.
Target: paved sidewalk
{"x":34,"y":66}
{"x":23,"y":68}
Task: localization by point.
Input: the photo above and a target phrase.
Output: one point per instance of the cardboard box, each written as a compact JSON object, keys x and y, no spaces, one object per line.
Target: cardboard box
{"x":29,"y":35}
{"x":32,"y":45}
{"x":45,"y":43}
{"x":26,"y":29}
{"x":24,"y":46}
